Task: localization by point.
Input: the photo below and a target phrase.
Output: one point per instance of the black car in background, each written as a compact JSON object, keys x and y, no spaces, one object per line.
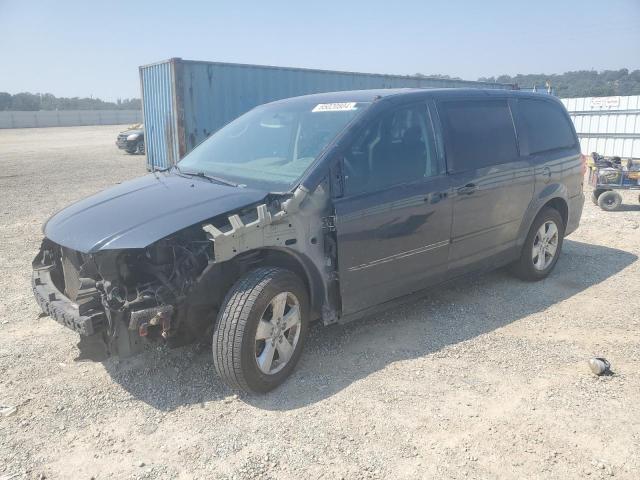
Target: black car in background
{"x":132,"y":139}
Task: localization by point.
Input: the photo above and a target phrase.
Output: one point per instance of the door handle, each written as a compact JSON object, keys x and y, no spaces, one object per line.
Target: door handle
{"x":468,"y":189}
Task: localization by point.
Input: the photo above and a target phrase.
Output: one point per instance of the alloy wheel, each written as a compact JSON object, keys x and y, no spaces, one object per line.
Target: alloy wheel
{"x":545,"y":245}
{"x":278,"y":333}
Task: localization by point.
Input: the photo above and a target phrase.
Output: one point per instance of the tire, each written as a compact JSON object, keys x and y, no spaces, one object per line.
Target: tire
{"x":610,"y":201}
{"x":240,"y":358}
{"x":140,"y":148}
{"x":531,"y":267}
{"x":595,"y":195}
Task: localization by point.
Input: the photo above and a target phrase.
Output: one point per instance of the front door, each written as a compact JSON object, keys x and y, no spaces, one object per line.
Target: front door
{"x":394,"y":220}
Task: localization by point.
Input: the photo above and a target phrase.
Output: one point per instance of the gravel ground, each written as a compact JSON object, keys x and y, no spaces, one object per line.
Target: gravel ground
{"x":487,"y":378}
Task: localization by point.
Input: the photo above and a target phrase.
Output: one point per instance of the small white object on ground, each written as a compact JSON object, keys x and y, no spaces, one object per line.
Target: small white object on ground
{"x":6,"y":411}
{"x":599,"y":366}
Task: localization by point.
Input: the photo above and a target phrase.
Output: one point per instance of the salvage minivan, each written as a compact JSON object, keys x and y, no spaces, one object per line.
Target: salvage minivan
{"x":323,"y":207}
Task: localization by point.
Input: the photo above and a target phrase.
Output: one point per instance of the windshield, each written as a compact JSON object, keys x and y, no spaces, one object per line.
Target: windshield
{"x":271,"y":146}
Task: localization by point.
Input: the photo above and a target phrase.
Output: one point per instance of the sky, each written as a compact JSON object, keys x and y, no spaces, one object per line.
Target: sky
{"x":93,"y":48}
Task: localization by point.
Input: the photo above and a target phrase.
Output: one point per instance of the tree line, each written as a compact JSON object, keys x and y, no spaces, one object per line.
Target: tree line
{"x":581,"y":83}
{"x":46,"y":101}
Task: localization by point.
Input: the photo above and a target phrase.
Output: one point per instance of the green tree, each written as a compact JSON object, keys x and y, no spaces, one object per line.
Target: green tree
{"x":25,"y":101}
{"x":5,"y":101}
{"x":581,"y":83}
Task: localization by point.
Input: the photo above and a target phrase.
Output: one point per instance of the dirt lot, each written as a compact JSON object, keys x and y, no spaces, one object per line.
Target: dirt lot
{"x":487,"y":378}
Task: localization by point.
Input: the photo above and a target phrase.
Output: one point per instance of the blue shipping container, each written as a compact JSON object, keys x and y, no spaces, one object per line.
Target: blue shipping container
{"x":184,"y":101}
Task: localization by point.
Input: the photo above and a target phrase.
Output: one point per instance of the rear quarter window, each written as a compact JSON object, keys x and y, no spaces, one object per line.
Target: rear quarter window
{"x":547,"y":127}
{"x":478,"y":133}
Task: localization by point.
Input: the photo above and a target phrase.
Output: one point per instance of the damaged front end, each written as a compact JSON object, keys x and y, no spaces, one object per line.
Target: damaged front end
{"x":116,"y":299}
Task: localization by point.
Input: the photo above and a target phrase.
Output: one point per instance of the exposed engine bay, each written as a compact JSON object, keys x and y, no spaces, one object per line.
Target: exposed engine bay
{"x":161,"y":274}
{"x":142,"y":290}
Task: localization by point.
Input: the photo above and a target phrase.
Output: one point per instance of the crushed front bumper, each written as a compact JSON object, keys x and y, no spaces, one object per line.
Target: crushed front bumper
{"x":55,"y":304}
{"x":69,"y":290}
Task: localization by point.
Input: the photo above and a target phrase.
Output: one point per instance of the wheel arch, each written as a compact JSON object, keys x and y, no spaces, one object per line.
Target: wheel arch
{"x":559,"y":204}
{"x":218,"y":278}
{"x":556,"y":200}
{"x":299,"y":264}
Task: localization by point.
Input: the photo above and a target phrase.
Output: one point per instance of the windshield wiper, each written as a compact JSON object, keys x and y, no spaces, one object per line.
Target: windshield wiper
{"x":211,"y":178}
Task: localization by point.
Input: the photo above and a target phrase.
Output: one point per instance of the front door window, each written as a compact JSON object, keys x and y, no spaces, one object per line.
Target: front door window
{"x":397,"y":148}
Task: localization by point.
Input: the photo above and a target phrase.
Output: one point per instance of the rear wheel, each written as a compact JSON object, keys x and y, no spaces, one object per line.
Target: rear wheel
{"x":610,"y":201}
{"x":140,"y":148}
{"x":261,"y":329}
{"x":541,"y":248}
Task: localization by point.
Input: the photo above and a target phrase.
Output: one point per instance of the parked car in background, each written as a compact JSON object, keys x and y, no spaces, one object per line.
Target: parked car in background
{"x":329,"y":206}
{"x":132,"y":139}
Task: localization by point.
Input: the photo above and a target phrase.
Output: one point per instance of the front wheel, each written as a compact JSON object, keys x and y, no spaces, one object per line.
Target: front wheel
{"x":541,"y":248}
{"x":261,"y":329}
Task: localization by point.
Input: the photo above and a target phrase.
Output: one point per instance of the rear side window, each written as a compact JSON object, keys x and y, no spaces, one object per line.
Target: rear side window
{"x":547,"y":126}
{"x":478,"y":134}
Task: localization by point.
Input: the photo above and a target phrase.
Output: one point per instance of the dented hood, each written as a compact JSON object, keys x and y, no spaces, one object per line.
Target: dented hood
{"x":139,"y":212}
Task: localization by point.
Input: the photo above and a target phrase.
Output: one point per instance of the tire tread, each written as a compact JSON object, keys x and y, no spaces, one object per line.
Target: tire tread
{"x":232,"y":322}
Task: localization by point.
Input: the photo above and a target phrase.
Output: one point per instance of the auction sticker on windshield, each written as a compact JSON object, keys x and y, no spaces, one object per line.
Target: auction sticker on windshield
{"x":334,"y":107}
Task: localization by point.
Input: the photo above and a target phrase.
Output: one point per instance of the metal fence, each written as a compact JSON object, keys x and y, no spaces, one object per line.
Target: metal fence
{"x":68,"y":118}
{"x":607,"y":125}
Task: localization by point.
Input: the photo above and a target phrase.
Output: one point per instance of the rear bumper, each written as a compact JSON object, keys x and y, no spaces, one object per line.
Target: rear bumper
{"x":575,"y":205}
{"x":61,"y":309}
